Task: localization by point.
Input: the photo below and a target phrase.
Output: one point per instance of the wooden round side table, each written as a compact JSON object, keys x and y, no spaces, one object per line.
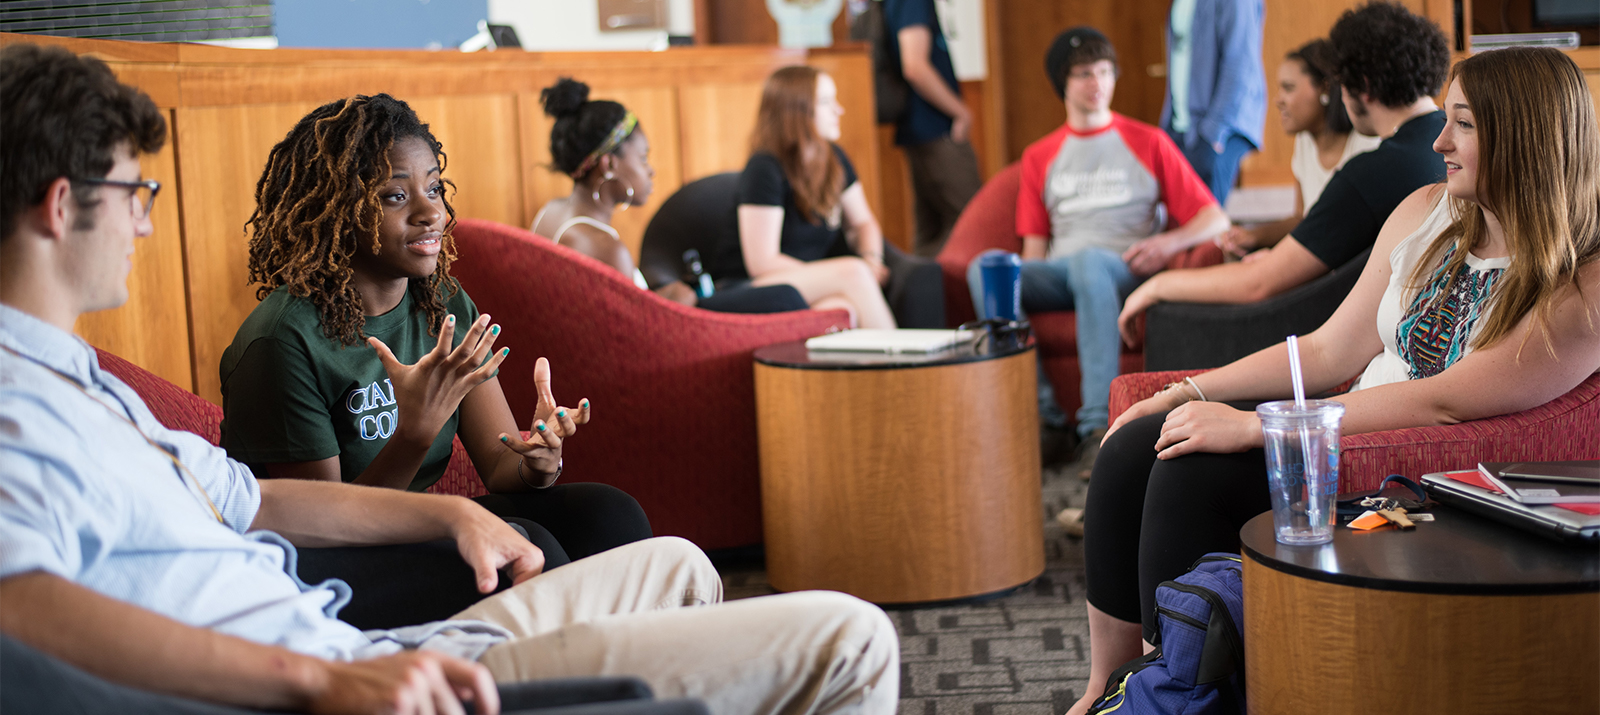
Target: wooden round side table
{"x":899,"y":478}
{"x":1462,"y":615}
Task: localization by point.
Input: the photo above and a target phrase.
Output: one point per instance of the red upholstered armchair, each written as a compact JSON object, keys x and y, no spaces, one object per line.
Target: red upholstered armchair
{"x":175,"y":407}
{"x":1564,"y":428}
{"x":673,"y":388}
{"x":180,"y":409}
{"x":990,"y":221}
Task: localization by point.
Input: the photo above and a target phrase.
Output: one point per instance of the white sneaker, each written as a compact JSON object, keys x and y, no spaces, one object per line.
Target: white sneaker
{"x":1071,"y":521}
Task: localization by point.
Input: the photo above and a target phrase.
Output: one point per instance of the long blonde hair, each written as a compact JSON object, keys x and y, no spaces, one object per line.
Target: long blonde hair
{"x":1538,"y":147}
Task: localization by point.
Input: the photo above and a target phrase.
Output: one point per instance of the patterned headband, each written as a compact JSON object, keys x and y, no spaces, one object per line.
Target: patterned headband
{"x":621,"y":132}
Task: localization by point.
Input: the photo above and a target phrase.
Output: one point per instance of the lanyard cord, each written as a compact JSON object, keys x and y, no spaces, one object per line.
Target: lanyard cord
{"x":188,"y":476}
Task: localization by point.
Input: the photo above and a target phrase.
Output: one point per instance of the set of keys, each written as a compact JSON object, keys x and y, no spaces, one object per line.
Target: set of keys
{"x":1383,"y":511}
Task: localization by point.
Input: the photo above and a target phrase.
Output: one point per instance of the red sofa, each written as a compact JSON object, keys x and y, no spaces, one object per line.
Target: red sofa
{"x":990,"y":221}
{"x":673,"y":388}
{"x":180,"y":409}
{"x":1564,"y":428}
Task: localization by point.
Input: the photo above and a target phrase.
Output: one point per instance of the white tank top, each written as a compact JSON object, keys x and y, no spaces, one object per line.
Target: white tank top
{"x":1422,"y":335}
{"x":638,"y":277}
{"x":1307,"y":168}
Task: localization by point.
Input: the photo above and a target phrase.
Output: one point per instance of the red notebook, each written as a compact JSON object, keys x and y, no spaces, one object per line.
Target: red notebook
{"x":1475,"y":478}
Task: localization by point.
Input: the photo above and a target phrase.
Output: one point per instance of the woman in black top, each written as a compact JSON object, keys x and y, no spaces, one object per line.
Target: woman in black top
{"x":800,"y":206}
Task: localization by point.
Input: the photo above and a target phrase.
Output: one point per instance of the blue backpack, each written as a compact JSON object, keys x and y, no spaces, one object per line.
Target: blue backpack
{"x":1198,"y":664}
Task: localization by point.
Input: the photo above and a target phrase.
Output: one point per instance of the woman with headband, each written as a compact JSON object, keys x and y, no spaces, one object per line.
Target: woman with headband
{"x":602,"y":147}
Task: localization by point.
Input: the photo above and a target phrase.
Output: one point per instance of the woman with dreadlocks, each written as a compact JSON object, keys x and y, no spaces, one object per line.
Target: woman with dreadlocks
{"x":365,"y":358}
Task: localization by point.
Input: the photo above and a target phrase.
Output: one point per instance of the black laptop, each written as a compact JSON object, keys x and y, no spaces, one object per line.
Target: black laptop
{"x":1549,"y":521}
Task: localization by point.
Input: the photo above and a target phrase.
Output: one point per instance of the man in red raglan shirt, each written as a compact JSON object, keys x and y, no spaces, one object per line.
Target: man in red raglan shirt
{"x":1090,"y":212}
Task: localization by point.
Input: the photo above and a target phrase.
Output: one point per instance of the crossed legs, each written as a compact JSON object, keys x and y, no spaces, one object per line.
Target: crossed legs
{"x":629,"y":611}
{"x":843,"y":282}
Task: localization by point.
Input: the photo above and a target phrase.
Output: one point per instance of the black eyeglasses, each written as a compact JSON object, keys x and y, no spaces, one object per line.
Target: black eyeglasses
{"x":1000,"y":334}
{"x":141,"y":194}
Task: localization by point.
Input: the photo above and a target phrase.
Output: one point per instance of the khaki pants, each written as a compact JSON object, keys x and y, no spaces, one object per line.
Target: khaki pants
{"x":651,"y":609}
{"x":944,"y":176}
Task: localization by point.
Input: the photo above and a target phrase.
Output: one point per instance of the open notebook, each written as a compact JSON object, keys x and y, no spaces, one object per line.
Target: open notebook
{"x":891,"y":341}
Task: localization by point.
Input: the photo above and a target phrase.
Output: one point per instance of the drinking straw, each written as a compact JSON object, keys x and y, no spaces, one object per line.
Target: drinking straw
{"x":1312,"y":467}
{"x":1294,"y":373}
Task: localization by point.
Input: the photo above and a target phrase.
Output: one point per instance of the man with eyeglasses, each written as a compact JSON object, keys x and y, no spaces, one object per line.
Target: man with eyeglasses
{"x":1088,"y":210}
{"x":147,"y":557}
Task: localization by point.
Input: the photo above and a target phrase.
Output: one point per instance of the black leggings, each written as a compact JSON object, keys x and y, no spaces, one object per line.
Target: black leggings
{"x":1148,"y":520}
{"x":571,"y":521}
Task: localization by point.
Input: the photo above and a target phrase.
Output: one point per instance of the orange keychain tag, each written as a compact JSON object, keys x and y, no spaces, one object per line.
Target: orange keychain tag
{"x":1368,"y":521}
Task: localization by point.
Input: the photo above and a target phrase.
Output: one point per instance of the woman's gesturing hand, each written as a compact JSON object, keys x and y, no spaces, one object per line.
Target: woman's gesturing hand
{"x":1207,"y":427}
{"x":429,"y":391}
{"x":552,"y":424}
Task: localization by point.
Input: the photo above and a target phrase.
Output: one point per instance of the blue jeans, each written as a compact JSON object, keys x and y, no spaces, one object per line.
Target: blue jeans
{"x":1217,"y":170}
{"x":1092,"y":282}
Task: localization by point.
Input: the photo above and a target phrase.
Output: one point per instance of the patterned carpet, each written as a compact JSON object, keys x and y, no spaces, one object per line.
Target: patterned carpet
{"x":1025,"y":653}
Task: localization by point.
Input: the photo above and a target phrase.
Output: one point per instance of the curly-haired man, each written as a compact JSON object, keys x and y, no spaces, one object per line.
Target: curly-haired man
{"x":1391,"y":63}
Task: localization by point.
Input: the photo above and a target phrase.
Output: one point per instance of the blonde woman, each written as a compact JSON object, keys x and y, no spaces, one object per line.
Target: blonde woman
{"x":1482,"y":298}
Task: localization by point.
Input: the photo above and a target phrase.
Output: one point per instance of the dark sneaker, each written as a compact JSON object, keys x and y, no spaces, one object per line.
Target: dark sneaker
{"x":1057,"y":445}
{"x":1088,"y":450}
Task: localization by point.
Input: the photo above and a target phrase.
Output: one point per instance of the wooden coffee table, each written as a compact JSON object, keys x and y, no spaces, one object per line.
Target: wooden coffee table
{"x":899,"y":479}
{"x":1461,"y":615}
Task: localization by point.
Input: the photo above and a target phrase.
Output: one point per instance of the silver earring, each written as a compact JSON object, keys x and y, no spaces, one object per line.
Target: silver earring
{"x":628,"y":201}
{"x":1324,"y":99}
{"x":608,"y":177}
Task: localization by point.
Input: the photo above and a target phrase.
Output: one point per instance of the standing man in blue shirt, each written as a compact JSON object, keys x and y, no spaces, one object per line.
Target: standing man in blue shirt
{"x":935,"y":128}
{"x":1216,"y":106}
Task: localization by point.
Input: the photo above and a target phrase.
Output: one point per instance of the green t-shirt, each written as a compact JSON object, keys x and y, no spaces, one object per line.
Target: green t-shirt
{"x":292,"y":394}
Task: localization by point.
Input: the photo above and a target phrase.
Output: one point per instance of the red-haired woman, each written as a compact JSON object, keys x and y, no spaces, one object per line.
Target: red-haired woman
{"x":799,"y":199}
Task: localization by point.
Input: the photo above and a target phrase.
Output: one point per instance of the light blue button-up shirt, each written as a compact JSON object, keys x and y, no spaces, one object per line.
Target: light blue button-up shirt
{"x":85,"y":497}
{"x":1181,"y":27}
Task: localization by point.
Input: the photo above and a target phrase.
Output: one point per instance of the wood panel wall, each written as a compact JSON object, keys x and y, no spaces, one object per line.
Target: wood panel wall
{"x":228,"y":107}
{"x":743,"y":22}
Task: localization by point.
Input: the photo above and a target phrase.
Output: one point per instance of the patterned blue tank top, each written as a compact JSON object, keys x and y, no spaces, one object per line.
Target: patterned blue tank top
{"x":1435,"y":330}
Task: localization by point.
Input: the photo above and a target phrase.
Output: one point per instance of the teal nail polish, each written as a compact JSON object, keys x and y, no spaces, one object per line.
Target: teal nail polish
{"x":562,"y":413}
{"x":584,"y":403}
{"x":450,"y":319}
{"x":505,"y":351}
{"x":494,"y":330}
{"x":541,"y":428}
{"x":504,"y":438}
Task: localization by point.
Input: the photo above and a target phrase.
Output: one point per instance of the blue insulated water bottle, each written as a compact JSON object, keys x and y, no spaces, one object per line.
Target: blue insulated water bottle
{"x":1002,"y":285}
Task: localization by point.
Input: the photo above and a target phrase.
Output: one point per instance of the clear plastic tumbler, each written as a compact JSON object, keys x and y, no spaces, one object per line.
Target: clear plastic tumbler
{"x":1302,"y":444}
